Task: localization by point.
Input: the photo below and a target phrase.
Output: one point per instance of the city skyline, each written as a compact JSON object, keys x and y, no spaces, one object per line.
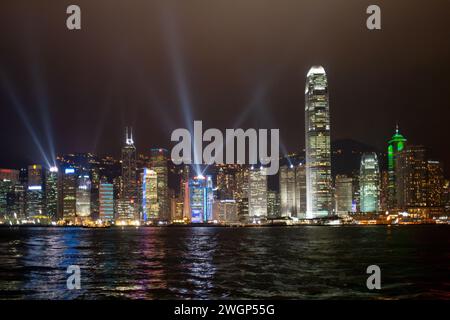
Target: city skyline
{"x":157,"y":84}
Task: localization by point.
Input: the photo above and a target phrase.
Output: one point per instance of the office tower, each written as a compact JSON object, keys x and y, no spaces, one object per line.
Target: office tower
{"x":395,"y":145}
{"x":241,"y":195}
{"x":273,"y":204}
{"x":158,"y":163}
{"x":69,"y":195}
{"x":317,"y":144}
{"x":176,"y":208}
{"x":150,"y":199}
{"x":411,"y":177}
{"x":184,"y":192}
{"x":287,"y":190}
{"x":6,"y":187}
{"x":35,"y":194}
{"x":9,"y":180}
{"x":106,"y":201}
{"x":83,"y":197}
{"x":17,"y":202}
{"x":51,"y":193}
{"x":384,"y":190}
{"x":226,"y":182}
{"x":435,"y":189}
{"x":369,"y":183}
{"x":201,"y":199}
{"x":257,"y":194}
{"x":94,"y":173}
{"x":356,"y":203}
{"x":128,"y":205}
{"x":300,"y":187}
{"x":226,"y":211}
{"x":292,"y":181}
{"x":343,"y":194}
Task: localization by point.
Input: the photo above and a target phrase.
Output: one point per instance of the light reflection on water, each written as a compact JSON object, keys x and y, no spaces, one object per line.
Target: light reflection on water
{"x":225,"y":263}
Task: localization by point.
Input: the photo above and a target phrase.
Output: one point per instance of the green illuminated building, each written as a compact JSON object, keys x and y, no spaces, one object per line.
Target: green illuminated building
{"x":396,"y":144}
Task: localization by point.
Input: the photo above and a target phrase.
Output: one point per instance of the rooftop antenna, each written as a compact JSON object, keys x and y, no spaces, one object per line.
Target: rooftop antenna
{"x":129,"y":138}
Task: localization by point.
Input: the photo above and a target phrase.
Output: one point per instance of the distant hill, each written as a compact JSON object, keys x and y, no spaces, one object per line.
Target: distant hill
{"x":346,"y":155}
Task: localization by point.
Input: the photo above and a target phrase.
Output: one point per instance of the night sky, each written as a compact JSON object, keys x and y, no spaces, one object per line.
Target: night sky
{"x":155,"y":64}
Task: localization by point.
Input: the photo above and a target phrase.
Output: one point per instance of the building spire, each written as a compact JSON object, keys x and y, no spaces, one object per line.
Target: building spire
{"x":396,"y":128}
{"x":129,"y":136}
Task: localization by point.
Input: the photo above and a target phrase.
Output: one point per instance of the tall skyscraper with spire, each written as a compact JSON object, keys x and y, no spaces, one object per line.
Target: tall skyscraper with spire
{"x":317,"y":144}
{"x":129,"y":206}
{"x":395,"y":146}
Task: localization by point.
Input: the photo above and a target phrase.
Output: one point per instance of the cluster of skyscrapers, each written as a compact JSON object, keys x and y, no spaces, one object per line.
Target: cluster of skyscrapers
{"x":149,"y":189}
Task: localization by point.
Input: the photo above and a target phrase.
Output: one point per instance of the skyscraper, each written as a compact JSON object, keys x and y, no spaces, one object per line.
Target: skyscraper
{"x":226,"y":184}
{"x":241,"y":195}
{"x":69,"y":195}
{"x":158,"y":163}
{"x":273,"y":204}
{"x":51,"y":193}
{"x":201,"y":199}
{"x":343,"y":194}
{"x":292,"y":183}
{"x":35,"y":194}
{"x":369,"y":183}
{"x":83,"y":197}
{"x":257,"y":194}
{"x":395,"y":145}
{"x":411,"y":177}
{"x":384,"y":190}
{"x":184,"y":192}
{"x":150,"y":200}
{"x":128,"y":206}
{"x":106,"y":201}
{"x":9,"y":192}
{"x":435,"y":171}
{"x":317,"y":144}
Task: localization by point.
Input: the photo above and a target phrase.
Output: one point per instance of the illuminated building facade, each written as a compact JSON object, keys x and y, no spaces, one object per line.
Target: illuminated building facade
{"x":6,"y":187}
{"x":9,"y":174}
{"x":128,"y":206}
{"x":106,"y":201}
{"x":158,"y":163}
{"x":343,"y":194}
{"x":18,"y":202}
{"x":395,"y":145}
{"x":150,"y":200}
{"x":411,"y":177}
{"x":292,"y":183}
{"x":184,"y":192}
{"x":384,"y":190}
{"x":226,"y":182}
{"x":436,"y":181}
{"x":273,"y":204}
{"x":369,"y":183}
{"x":51,"y":193}
{"x":35,"y":192}
{"x":69,"y":194}
{"x":317,"y":142}
{"x":257,"y":194}
{"x":226,"y":211}
{"x":83,"y":197}
{"x":241,"y":195}
{"x":9,"y":183}
{"x":201,"y":199}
